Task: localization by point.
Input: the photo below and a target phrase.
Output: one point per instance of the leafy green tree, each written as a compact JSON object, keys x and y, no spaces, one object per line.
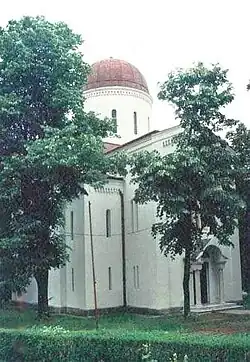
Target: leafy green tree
{"x":49,"y":146}
{"x":240,"y":143}
{"x":193,"y":186}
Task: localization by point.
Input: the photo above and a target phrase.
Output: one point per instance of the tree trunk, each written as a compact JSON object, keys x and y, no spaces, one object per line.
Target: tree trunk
{"x":246,"y":252}
{"x":42,"y":279}
{"x":244,"y":236}
{"x":186,"y":278}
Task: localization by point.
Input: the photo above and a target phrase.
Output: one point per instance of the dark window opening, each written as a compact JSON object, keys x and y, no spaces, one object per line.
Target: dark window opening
{"x":73,"y":279}
{"x":72,"y":225}
{"x":108,"y":223}
{"x":135,"y":123}
{"x":114,"y":118}
{"x":110,"y":278}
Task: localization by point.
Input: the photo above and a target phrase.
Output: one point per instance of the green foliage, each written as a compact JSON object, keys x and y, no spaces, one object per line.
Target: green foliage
{"x":49,"y":146}
{"x":56,"y":344}
{"x":198,"y":178}
{"x":198,"y":94}
{"x":121,"y":337}
{"x":240,"y":143}
{"x":246,"y":301}
{"x":22,"y":318}
{"x":194,"y":187}
{"x":175,"y":182}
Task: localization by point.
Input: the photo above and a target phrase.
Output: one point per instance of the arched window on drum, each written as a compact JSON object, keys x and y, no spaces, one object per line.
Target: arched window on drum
{"x":114,"y":118}
{"x":135,"y":123}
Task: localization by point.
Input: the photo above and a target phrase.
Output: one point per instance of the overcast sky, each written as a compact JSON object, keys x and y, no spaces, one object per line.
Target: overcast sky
{"x":157,"y":38}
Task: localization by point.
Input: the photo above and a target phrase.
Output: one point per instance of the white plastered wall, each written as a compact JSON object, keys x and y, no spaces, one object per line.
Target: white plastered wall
{"x":125,"y":101}
{"x":107,"y":250}
{"x":157,"y":289}
{"x":72,"y":277}
{"x":232,"y":271}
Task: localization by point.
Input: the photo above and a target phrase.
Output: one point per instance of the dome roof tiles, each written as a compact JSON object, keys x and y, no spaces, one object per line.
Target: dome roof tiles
{"x":114,"y":72}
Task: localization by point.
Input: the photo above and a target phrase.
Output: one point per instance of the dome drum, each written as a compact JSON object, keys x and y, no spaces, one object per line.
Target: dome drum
{"x":117,"y":90}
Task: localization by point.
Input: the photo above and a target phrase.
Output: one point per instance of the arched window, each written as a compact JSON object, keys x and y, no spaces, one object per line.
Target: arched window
{"x":114,"y":117}
{"x":135,"y":123}
{"x":108,"y":223}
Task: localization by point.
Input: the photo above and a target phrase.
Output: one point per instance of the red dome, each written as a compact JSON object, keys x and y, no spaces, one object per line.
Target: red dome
{"x":114,"y":72}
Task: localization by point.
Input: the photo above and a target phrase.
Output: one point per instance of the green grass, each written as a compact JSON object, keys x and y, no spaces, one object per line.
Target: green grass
{"x":209,"y":323}
{"x":122,"y":336}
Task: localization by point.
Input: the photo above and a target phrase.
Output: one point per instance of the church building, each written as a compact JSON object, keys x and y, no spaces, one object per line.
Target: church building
{"x":130,"y":270}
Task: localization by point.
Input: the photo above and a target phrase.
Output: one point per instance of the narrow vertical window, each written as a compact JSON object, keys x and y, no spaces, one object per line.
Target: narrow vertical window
{"x":135,"y":123}
{"x":73,"y":279}
{"x":148,"y":124}
{"x":114,"y":118}
{"x":108,"y":223}
{"x":134,"y":216}
{"x":134,"y":275}
{"x":110,"y":278}
{"x":137,"y":277}
{"x":72,"y":225}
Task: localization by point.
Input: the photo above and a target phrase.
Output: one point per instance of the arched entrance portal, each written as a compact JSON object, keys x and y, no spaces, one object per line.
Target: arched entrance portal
{"x":206,"y":279}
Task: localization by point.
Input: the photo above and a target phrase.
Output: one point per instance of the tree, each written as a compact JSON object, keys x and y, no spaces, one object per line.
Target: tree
{"x":49,"y":147}
{"x":194,"y":186}
{"x":240,"y":143}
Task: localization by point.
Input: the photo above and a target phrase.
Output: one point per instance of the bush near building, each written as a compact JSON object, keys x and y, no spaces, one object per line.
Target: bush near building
{"x":57,"y":344}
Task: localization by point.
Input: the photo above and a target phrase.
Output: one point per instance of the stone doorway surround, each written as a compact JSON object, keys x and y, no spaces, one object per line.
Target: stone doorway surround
{"x":215,"y":262}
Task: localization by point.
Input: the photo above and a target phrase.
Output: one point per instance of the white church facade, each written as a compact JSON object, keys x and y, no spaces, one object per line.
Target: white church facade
{"x":130,"y":270}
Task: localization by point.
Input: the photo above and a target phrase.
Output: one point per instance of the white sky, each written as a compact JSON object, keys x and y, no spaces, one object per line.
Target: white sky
{"x":157,"y":38}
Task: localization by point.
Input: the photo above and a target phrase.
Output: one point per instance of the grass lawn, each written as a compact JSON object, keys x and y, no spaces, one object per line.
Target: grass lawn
{"x":123,"y":337}
{"x":212,"y":323}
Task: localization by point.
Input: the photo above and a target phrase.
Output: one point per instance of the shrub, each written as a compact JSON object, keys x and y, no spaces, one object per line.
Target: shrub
{"x":5,"y":292}
{"x":246,"y":300}
{"x":56,"y":344}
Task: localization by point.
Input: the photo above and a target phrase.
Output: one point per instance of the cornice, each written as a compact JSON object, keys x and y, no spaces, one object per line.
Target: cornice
{"x":107,"y":190}
{"x":118,"y":91}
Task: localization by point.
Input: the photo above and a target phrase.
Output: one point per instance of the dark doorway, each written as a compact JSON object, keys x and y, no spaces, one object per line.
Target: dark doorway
{"x":204,"y":283}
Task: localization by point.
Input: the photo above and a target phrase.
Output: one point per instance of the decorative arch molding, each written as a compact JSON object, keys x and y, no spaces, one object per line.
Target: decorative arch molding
{"x":118,"y":91}
{"x":214,"y":252}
